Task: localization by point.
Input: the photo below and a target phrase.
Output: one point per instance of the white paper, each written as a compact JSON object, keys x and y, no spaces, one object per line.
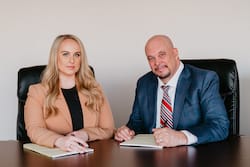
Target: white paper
{"x":50,"y":152}
{"x":142,"y":140}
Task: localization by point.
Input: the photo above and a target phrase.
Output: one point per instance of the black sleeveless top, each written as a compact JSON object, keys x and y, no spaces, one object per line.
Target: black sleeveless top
{"x":73,"y":102}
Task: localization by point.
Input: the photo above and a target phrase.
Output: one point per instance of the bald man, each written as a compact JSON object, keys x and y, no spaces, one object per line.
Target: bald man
{"x":197,"y":115}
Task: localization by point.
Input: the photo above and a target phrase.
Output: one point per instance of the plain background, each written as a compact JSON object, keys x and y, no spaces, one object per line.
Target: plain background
{"x":114,"y":33}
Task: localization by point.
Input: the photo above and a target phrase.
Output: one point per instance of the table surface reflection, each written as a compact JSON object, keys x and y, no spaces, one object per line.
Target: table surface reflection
{"x":234,"y":152}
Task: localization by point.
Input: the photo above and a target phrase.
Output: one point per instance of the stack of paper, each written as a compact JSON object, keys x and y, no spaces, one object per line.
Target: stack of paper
{"x":142,"y":140}
{"x":50,"y":152}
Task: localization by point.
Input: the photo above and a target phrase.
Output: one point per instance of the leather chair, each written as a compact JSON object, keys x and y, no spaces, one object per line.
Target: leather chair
{"x":26,"y":77}
{"x":225,"y":68}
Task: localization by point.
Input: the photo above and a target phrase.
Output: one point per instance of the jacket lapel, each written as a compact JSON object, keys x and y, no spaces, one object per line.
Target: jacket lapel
{"x":152,"y":101}
{"x":180,"y":95}
{"x":64,"y":109}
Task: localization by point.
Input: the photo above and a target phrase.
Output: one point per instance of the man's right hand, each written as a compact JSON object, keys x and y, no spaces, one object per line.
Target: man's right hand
{"x":124,"y":133}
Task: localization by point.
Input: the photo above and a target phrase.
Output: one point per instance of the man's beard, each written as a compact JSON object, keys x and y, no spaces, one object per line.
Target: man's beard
{"x":165,"y":76}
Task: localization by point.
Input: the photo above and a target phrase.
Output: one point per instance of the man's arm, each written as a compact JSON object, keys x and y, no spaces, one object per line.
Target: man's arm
{"x":214,"y":124}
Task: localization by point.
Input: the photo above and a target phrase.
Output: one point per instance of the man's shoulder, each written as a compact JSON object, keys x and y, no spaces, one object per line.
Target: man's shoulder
{"x":196,"y":74}
{"x":148,"y":76}
{"x":198,"y":71}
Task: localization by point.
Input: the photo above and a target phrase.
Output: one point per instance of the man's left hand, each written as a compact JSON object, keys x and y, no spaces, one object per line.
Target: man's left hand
{"x":168,"y":137}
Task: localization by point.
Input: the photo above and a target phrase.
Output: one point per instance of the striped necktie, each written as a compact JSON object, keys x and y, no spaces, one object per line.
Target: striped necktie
{"x":166,"y":118}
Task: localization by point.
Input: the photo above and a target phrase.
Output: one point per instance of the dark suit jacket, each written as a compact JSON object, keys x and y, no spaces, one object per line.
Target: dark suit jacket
{"x":198,"y":106}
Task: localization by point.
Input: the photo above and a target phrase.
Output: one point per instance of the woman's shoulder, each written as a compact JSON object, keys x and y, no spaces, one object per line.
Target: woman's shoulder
{"x":36,"y":86}
{"x":37,"y":89}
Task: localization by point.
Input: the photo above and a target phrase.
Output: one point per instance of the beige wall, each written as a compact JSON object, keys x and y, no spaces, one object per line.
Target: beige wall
{"x":114,"y":33}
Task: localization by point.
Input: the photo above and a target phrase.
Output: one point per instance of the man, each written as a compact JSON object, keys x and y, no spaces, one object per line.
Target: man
{"x":193,"y":111}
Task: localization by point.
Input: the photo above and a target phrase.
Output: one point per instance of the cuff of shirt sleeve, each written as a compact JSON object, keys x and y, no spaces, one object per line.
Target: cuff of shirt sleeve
{"x":191,"y":139}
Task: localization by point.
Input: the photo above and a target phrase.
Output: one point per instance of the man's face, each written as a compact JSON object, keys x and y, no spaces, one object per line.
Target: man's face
{"x":163,"y":59}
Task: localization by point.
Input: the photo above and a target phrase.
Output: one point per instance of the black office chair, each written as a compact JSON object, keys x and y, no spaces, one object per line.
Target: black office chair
{"x":26,"y":77}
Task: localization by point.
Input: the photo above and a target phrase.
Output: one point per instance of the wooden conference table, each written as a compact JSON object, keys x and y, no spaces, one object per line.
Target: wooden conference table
{"x":234,"y":152}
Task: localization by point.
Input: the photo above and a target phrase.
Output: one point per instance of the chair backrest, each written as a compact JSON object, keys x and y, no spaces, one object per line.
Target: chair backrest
{"x":229,"y":86}
{"x":26,"y":77}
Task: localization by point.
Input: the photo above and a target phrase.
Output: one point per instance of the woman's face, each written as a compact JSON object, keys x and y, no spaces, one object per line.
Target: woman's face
{"x":69,"y":58}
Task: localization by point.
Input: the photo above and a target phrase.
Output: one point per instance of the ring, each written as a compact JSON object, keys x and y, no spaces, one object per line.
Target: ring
{"x":160,"y":140}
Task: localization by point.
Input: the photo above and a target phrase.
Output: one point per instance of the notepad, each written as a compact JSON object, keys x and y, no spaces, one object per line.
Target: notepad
{"x":142,"y":140}
{"x":50,"y":152}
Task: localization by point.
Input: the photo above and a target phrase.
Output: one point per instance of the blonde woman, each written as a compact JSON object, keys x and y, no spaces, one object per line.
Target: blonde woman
{"x":68,"y":108}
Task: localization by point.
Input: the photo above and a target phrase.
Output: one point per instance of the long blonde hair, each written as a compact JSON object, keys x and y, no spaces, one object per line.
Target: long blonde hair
{"x":85,"y":81}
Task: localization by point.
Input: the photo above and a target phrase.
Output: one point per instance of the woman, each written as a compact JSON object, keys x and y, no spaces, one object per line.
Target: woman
{"x":68,"y":108}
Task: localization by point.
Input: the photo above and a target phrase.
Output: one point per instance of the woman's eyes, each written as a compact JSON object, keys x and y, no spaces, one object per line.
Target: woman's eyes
{"x":65,"y":54}
{"x":75,"y":54}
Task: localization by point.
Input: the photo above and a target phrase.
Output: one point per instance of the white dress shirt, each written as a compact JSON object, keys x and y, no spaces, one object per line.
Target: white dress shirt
{"x":172,"y":83}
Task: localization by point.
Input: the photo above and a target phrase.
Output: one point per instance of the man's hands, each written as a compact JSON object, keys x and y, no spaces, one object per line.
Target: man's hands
{"x":124,"y":133}
{"x":168,"y":137}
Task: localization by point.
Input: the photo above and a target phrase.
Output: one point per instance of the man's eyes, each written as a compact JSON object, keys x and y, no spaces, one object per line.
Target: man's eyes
{"x":162,"y":55}
{"x":150,"y":58}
